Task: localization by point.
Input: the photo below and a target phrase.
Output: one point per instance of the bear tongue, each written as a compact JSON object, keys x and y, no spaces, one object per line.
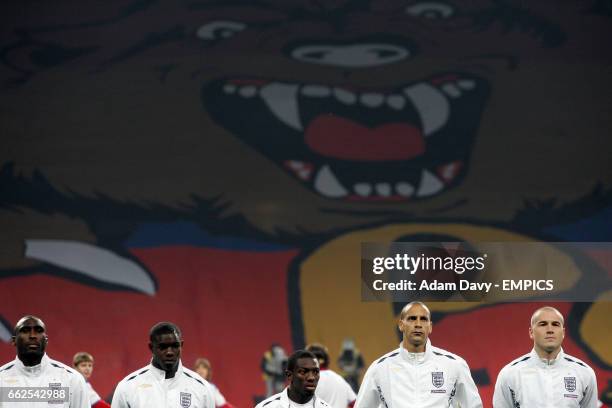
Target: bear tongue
{"x":344,"y":139}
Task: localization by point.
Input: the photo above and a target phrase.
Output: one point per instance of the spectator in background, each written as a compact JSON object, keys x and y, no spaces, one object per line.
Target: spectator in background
{"x":83,"y":362}
{"x":350,"y":363}
{"x":202,"y":366}
{"x":332,"y":388}
{"x":273,"y":367}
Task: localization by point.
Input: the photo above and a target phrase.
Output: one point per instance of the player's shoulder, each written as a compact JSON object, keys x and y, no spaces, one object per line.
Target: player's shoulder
{"x":63,"y":368}
{"x":386,"y":358}
{"x":270,"y":402}
{"x":319,"y":402}
{"x":196,"y":379}
{"x":516,"y":365}
{"x":7,"y":367}
{"x":577,"y":364}
{"x":135,"y":376}
{"x":447,"y":357}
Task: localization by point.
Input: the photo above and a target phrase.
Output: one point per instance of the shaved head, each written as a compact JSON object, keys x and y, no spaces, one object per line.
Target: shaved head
{"x":409,"y":305}
{"x":24,"y":319}
{"x":536,"y":314}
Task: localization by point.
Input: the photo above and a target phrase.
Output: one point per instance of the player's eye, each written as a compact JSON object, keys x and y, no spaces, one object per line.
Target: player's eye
{"x":431,"y":10}
{"x":218,"y":30}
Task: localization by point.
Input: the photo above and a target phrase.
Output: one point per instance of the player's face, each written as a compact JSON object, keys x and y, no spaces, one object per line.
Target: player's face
{"x":85,"y":368}
{"x":166,"y":350}
{"x":30,"y":339}
{"x":416,"y":327}
{"x":547,"y":331}
{"x":305,"y":377}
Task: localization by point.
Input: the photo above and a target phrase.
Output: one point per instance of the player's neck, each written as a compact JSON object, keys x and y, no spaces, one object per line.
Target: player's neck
{"x":545,"y":354}
{"x":411,"y":348}
{"x":169,"y":373}
{"x":297,"y":397}
{"x":30,"y":360}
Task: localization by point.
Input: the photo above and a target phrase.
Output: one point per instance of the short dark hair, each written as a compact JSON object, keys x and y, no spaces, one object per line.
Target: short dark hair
{"x":292,"y":361}
{"x":320,"y":352}
{"x":164,"y":328}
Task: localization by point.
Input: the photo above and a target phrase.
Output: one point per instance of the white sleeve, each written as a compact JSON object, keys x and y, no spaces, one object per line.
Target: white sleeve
{"x":502,"y":397}
{"x":467,"y":393}
{"x":79,"y":395}
{"x":119,"y":397}
{"x":219,"y":398}
{"x":93,"y":395}
{"x":368,"y":396}
{"x":590,"y":397}
{"x":210,"y":396}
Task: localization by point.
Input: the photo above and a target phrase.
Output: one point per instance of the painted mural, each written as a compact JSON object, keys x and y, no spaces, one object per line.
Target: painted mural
{"x":218,"y":163}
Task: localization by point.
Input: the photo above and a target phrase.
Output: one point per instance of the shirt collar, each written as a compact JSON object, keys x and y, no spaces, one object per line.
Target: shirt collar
{"x":285,"y":402}
{"x":33,"y":371}
{"x":542,"y":362}
{"x":161,"y":374}
{"x":416,"y":358}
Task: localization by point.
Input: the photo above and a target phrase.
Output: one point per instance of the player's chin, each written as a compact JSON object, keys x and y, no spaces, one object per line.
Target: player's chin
{"x":310,"y":389}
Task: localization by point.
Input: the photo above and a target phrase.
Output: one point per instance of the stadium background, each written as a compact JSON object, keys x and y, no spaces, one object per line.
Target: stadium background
{"x":149,"y":171}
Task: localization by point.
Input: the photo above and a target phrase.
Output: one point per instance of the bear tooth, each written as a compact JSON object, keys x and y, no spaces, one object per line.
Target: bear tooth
{"x":327,"y":184}
{"x":466,"y":84}
{"x":451,"y":90}
{"x":383,"y":189}
{"x":229,"y":88}
{"x":372,"y":100}
{"x":396,"y":102}
{"x":281,"y":99}
{"x":404,"y":189}
{"x":316,"y":90}
{"x":432,"y":105}
{"x":429,"y":184}
{"x":345,"y":96}
{"x":248,"y":91}
{"x":363,"y":189}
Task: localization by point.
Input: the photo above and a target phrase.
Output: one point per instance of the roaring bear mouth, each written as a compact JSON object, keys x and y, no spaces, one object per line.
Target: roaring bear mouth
{"x":406,"y":143}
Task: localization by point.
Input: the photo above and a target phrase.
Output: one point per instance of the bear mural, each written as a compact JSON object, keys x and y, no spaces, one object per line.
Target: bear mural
{"x":217,"y":164}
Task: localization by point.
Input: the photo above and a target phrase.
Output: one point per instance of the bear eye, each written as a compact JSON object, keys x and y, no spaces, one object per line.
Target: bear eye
{"x":431,"y":10}
{"x":217,"y":30}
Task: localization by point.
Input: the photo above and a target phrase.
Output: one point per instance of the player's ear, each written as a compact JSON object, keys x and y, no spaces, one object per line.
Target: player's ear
{"x":151,"y":346}
{"x":13,"y":340}
{"x":530,"y":332}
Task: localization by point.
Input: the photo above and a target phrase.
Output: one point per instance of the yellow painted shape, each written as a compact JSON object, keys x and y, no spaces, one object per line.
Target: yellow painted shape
{"x":596,"y":327}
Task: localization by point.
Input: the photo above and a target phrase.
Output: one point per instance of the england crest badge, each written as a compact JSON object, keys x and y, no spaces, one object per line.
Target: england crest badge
{"x":437,"y":378}
{"x":570,"y":383}
{"x":185,"y":399}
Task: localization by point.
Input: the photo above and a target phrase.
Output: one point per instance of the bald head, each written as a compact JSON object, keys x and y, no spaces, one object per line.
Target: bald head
{"x":25,"y":319}
{"x":536,"y":315}
{"x":406,"y":308}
